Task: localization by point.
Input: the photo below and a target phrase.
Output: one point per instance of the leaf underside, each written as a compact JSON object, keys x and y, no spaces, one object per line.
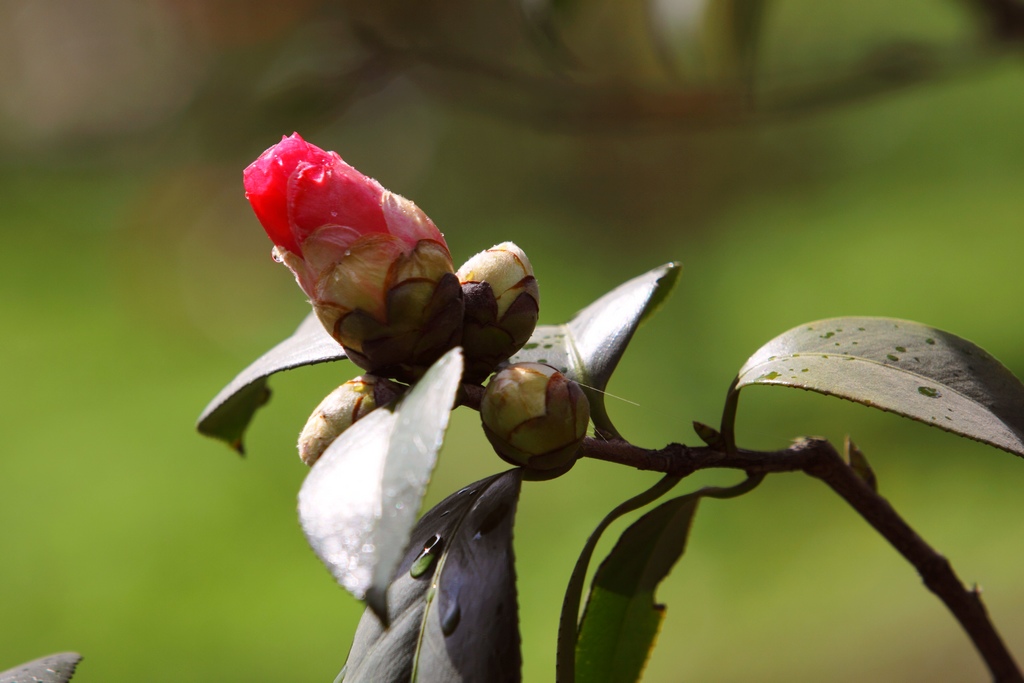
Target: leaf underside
{"x":621,"y":620}
{"x":899,"y":366}
{"x":228,"y":415}
{"x":588,"y":348}
{"x":359,"y":502}
{"x":58,"y":668}
{"x":452,"y":609}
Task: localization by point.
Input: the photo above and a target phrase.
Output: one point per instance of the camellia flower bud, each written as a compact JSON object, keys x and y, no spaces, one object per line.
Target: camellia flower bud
{"x":502,"y":301}
{"x":375,"y":268}
{"x":534,"y":416}
{"x":351,"y":401}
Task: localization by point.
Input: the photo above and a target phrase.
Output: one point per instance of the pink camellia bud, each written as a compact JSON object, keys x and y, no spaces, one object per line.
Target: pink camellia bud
{"x":375,"y":268}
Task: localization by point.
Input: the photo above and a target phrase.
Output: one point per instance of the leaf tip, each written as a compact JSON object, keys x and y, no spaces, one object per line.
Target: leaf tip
{"x":857,"y":461}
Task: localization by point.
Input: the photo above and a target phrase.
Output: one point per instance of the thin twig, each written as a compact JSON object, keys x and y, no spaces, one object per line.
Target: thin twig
{"x":819,"y":459}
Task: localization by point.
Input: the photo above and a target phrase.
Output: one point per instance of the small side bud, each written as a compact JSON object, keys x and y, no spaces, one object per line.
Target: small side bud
{"x":859,"y":463}
{"x":340,"y":409}
{"x":535,"y":416}
{"x":708,"y":434}
{"x":502,"y":303}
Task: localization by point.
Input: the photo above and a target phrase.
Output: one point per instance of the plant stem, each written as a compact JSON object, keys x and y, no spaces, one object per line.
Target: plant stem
{"x":819,"y":459}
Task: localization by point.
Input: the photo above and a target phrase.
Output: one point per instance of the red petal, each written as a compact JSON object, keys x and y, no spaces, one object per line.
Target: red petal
{"x":266,"y":185}
{"x":333,"y":194}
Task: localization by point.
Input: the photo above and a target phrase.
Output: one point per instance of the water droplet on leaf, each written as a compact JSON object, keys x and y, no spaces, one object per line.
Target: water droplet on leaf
{"x":450,"y":618}
{"x":422,"y":564}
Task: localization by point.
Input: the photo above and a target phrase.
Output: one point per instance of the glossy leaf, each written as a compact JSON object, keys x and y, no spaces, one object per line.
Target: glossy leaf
{"x":588,"y":347}
{"x":622,"y":620}
{"x":359,"y":502}
{"x":899,"y":366}
{"x":452,"y":606}
{"x":228,"y":415}
{"x":56,"y":668}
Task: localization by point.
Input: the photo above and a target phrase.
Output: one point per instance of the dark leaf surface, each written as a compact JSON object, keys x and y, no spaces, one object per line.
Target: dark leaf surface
{"x":56,"y":668}
{"x":899,"y":366}
{"x":589,"y":346}
{"x":452,"y":605}
{"x":621,"y":620}
{"x":228,"y":415}
{"x":358,"y":504}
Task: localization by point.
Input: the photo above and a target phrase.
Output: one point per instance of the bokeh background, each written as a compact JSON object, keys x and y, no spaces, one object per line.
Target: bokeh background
{"x":801,"y":159}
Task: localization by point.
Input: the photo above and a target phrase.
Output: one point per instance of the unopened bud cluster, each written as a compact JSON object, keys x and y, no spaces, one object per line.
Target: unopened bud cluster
{"x":380,"y":278}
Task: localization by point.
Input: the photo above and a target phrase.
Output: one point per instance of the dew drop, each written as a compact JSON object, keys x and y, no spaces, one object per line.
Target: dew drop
{"x":422,"y":564}
{"x":450,"y":618}
{"x":491,"y":521}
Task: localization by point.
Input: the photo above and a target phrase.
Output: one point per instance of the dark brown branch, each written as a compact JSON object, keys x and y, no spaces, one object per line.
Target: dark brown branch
{"x":469,"y":395}
{"x":819,"y":459}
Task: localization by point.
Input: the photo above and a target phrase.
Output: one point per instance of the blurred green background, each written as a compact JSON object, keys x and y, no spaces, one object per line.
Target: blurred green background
{"x":856,"y":159}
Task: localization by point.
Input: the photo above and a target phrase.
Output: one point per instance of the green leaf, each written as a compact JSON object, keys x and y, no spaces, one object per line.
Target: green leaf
{"x":452,"y":606}
{"x":359,"y":502}
{"x":56,"y":668}
{"x":568,"y":621}
{"x":589,"y":346}
{"x":228,"y":415}
{"x":622,"y":620}
{"x":902,"y":367}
